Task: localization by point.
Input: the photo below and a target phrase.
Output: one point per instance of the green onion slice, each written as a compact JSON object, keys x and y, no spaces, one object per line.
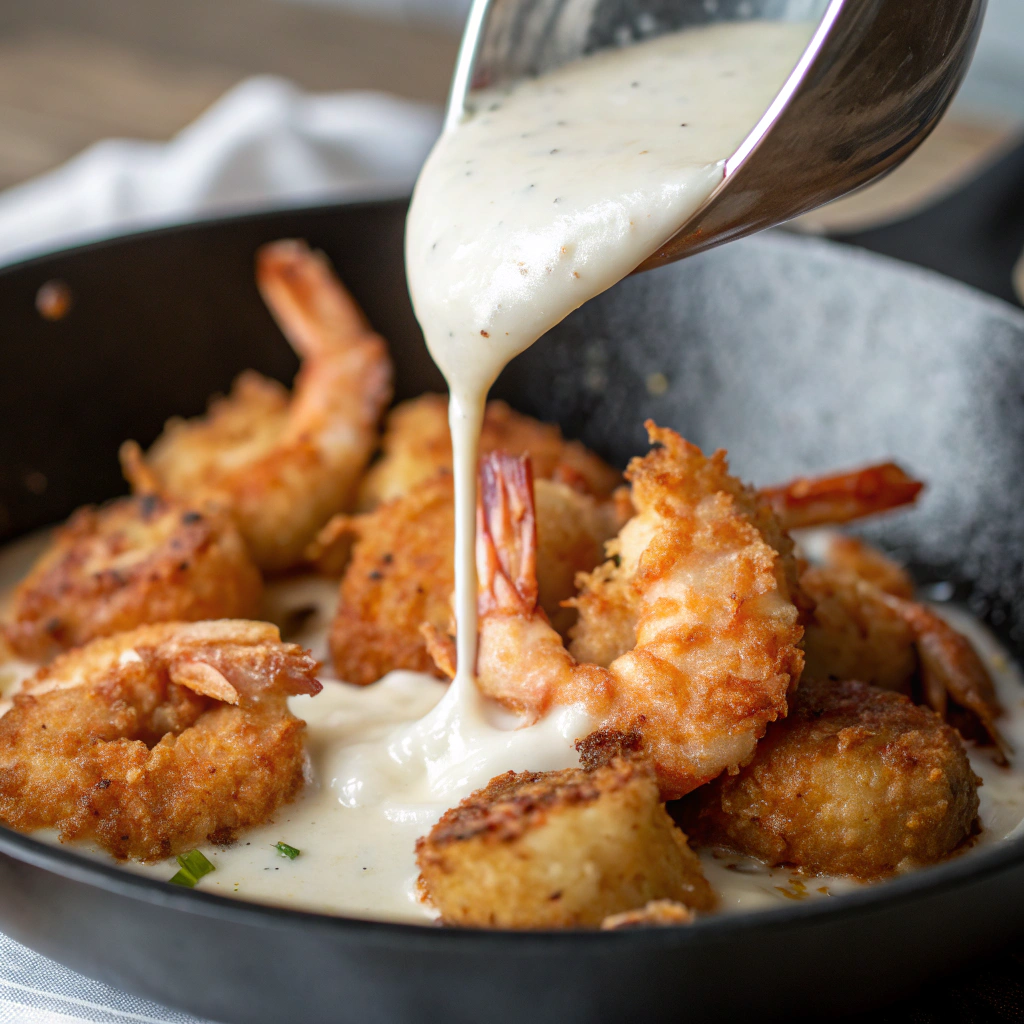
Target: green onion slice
{"x":193,"y":866}
{"x":287,"y":851}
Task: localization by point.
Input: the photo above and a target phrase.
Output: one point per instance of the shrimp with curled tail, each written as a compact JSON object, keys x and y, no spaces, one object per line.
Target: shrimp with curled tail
{"x":702,"y":630}
{"x":283,"y":465}
{"x":866,"y":626}
{"x":154,"y":741}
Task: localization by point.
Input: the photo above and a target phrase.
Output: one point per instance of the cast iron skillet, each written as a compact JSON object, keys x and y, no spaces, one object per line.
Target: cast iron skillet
{"x":795,"y":354}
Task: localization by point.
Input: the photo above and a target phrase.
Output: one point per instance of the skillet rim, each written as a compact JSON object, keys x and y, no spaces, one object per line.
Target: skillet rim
{"x":962,"y":871}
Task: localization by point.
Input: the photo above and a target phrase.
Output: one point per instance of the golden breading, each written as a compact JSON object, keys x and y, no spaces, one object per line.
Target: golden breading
{"x":283,"y":463}
{"x":855,"y":781}
{"x":850,"y":554}
{"x":132,"y":562}
{"x":558,"y":850}
{"x":402,"y":572}
{"x":154,"y":741}
{"x":416,"y":445}
{"x":854,"y":633}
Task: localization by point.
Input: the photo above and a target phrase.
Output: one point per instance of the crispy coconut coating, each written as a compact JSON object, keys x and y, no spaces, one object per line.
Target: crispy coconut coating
{"x":558,"y":850}
{"x":283,"y":463}
{"x":852,"y":555}
{"x":864,"y":626}
{"x":854,"y":634}
{"x":690,"y":633}
{"x":417,"y":444}
{"x":402,"y":572}
{"x":155,"y":741}
{"x":135,"y":561}
{"x":856,"y":781}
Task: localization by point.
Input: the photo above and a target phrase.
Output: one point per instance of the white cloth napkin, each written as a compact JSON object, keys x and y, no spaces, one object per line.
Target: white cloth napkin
{"x":264,"y":143}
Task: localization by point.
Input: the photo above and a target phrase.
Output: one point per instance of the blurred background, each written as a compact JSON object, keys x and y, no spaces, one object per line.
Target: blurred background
{"x":76,"y":71}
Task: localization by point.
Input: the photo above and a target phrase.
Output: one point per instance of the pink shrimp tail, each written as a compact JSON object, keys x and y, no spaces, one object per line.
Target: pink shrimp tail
{"x":506,"y":535}
{"x":819,"y":501}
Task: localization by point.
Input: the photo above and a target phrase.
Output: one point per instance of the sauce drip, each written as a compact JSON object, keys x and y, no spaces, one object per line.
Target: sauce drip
{"x":546,"y":194}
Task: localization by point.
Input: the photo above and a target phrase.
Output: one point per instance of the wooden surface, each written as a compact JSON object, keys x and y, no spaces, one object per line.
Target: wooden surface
{"x":74,"y":71}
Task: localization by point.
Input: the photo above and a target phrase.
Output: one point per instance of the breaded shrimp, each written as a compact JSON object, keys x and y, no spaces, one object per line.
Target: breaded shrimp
{"x":283,"y":465}
{"x":558,"y":850}
{"x":402,"y":572}
{"x":416,"y":445}
{"x":703,"y":635}
{"x":135,"y":561}
{"x":854,"y":634}
{"x":818,"y":501}
{"x":856,"y":781}
{"x":865,"y":627}
{"x":156,"y":740}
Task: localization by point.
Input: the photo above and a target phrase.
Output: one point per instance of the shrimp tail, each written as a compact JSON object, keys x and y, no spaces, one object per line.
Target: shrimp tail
{"x":301,"y":290}
{"x":506,"y":535}
{"x":951,"y":668}
{"x":819,"y":501}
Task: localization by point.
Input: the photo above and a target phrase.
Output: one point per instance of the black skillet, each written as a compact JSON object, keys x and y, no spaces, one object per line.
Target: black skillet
{"x":793,"y":353}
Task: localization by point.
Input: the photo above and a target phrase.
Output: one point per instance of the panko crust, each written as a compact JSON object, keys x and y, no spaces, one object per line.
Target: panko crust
{"x":854,"y":633}
{"x":558,"y":850}
{"x":696,"y":618}
{"x":417,"y":444}
{"x":856,"y":781}
{"x":401,"y":575}
{"x":157,"y":740}
{"x":134,"y":561}
{"x":402,"y":572}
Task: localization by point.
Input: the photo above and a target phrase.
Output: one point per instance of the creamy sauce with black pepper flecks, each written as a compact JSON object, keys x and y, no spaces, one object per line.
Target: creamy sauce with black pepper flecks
{"x":357,"y":853}
{"x":546,"y":193}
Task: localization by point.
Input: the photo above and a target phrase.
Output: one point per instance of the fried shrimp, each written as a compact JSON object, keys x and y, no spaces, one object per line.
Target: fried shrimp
{"x":819,"y":501}
{"x":283,"y":465}
{"x":135,"y":561}
{"x":402,"y":572}
{"x":417,"y":444}
{"x":692,"y":632}
{"x":856,"y":781}
{"x":865,"y":627}
{"x":559,"y":850}
{"x":157,"y":740}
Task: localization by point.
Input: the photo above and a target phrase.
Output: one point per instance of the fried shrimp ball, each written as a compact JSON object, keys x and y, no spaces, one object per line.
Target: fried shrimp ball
{"x":135,"y":561}
{"x":416,"y":444}
{"x":855,"y":781}
{"x":558,"y":850}
{"x":283,"y":463}
{"x":157,"y":740}
{"x":402,"y":572}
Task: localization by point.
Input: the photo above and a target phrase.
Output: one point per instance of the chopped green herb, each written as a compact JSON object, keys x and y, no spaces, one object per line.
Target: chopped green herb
{"x":193,"y":866}
{"x":287,"y":851}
